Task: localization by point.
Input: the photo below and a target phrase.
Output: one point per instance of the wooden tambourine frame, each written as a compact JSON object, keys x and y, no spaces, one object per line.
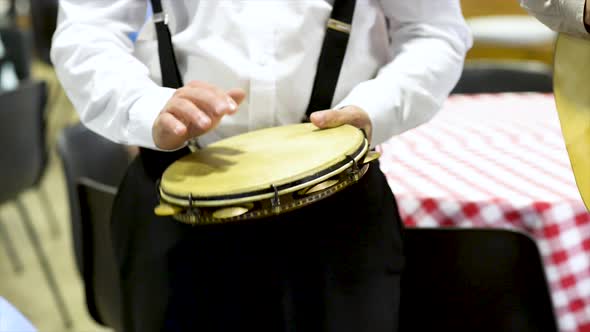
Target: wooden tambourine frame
{"x":263,"y":173}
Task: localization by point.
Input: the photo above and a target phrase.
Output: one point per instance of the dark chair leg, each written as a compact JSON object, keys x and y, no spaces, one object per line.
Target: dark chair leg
{"x":53,"y":286}
{"x":49,"y":212}
{"x":17,"y":265}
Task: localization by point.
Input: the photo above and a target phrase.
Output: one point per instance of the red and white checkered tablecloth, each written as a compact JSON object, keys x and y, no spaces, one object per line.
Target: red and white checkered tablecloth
{"x":499,"y":160}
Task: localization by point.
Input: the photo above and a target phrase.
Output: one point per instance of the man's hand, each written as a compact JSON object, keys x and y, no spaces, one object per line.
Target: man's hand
{"x":192,"y":111}
{"x":352,"y":115}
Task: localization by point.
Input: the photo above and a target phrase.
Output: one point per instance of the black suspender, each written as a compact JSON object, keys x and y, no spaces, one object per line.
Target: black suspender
{"x":170,"y":75}
{"x":155,"y":162}
{"x":329,"y":64}
{"x":328,"y":70}
{"x":332,"y":56}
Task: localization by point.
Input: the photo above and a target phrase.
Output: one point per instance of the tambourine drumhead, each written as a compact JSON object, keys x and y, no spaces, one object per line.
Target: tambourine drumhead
{"x":572,"y":97}
{"x":239,"y":167}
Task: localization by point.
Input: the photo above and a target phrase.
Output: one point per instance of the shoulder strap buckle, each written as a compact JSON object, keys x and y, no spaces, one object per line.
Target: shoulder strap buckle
{"x":160,"y":17}
{"x":339,"y":26}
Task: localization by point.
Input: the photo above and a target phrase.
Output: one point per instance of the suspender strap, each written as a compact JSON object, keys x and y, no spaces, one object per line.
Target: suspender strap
{"x":170,"y":75}
{"x":330,"y":62}
{"x":155,"y":162}
{"x":332,"y":56}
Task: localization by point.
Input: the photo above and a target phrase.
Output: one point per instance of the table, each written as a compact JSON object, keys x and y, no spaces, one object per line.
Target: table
{"x":499,"y":160}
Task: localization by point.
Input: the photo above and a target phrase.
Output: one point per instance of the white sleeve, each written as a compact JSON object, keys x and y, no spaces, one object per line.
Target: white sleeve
{"x":429,"y":42}
{"x":560,"y":15}
{"x":110,"y":89}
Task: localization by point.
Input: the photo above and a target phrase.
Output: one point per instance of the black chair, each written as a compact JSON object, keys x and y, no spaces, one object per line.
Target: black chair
{"x":23,"y":159}
{"x":504,"y":76}
{"x":85,"y":154}
{"x":103,"y":290}
{"x":474,"y":280}
{"x":18,"y":45}
{"x":93,"y":167}
{"x":11,"y":11}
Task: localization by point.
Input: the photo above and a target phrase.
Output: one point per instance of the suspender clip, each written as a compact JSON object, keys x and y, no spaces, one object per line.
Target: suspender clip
{"x":160,"y":17}
{"x":339,"y":26}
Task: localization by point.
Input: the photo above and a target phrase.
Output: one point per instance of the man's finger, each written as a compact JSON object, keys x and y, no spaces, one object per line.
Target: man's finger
{"x":351,"y":115}
{"x":170,"y":125}
{"x":238,"y":96}
{"x":189,"y":114}
{"x":212,"y":102}
{"x":169,"y":132}
{"x":329,"y":118}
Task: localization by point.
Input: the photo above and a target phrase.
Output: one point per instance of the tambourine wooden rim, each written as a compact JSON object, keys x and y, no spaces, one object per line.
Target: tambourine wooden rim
{"x":317,"y":164}
{"x":245,"y":197}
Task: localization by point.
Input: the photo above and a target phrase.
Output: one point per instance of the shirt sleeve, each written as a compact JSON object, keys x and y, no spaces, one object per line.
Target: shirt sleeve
{"x":110,"y":88}
{"x":565,"y":16}
{"x":429,"y":40}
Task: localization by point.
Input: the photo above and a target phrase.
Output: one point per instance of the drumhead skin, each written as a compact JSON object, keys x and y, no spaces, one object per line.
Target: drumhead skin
{"x":572,"y":97}
{"x":242,"y":165}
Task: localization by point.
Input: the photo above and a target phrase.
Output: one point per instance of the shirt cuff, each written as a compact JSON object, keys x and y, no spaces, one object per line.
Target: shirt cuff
{"x":142,"y":115}
{"x":367,"y":96}
{"x":389,"y":115}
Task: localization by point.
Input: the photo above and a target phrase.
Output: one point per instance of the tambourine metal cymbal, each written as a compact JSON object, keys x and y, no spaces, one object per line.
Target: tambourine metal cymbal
{"x":572,"y":98}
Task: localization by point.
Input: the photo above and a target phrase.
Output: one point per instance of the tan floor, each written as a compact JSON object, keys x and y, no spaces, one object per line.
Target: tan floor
{"x":29,"y":291}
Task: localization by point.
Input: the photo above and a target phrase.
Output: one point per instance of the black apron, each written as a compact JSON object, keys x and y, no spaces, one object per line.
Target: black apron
{"x":333,"y":266}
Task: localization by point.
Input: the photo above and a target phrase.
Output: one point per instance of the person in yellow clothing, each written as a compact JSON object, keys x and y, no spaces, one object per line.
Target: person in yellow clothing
{"x":571,"y":71}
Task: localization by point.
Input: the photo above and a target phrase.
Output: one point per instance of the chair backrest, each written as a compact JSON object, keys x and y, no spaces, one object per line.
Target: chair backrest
{"x":23,"y":155}
{"x":85,"y":154}
{"x":18,"y":47}
{"x":474,"y":280}
{"x":504,"y":76}
{"x":102,"y":287}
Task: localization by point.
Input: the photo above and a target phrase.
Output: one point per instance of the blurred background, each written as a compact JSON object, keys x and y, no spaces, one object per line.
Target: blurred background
{"x":37,"y":256}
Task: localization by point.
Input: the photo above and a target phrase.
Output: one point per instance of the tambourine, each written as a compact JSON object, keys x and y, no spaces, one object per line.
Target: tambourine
{"x":263,"y":173}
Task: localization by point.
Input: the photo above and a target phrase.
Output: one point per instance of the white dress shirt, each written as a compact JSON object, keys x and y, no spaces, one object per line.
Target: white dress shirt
{"x":400,"y":73}
{"x":560,"y":15}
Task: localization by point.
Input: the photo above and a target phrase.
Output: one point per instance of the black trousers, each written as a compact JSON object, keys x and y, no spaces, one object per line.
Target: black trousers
{"x":333,"y":266}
